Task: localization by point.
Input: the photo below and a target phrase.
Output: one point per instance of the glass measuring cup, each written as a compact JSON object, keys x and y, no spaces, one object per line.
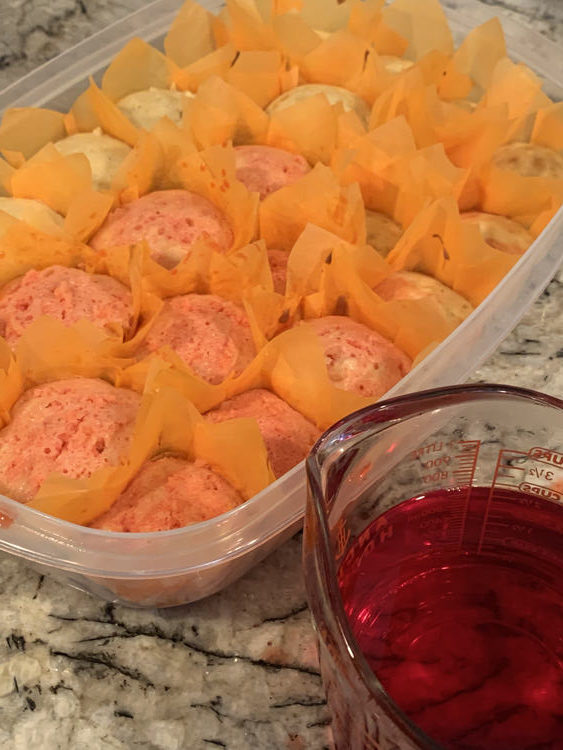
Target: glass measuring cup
{"x":433,"y":555}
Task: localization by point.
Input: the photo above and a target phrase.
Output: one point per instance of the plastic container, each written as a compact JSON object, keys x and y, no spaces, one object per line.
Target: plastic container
{"x":174,"y":567}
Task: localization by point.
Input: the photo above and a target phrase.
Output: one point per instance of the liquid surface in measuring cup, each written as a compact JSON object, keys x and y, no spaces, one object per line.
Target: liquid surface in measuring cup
{"x":466,"y":637}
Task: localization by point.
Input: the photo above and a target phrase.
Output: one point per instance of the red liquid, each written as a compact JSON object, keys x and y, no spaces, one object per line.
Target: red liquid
{"x":470,"y":646}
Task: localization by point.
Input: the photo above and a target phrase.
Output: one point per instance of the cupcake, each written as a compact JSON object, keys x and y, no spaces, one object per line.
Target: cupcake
{"x":357,"y":358}
{"x":411,"y":285}
{"x":500,"y":232}
{"x":264,"y":170}
{"x":169,"y":493}
{"x":334,"y":95}
{"x":34,"y":213}
{"x":382,"y":233}
{"x":66,"y":294}
{"x":210,"y":334}
{"x":145,"y":108}
{"x":170,"y":221}
{"x":529,"y":160}
{"x":72,"y":427}
{"x":288,"y":436}
{"x":104,"y":153}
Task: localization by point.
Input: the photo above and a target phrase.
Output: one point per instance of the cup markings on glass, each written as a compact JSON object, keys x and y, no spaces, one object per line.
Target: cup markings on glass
{"x":529,"y":472}
{"x":455,"y":462}
{"x":342,"y":537}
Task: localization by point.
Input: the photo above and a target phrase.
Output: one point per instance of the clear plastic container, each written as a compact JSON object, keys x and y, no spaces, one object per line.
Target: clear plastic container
{"x":174,"y":567}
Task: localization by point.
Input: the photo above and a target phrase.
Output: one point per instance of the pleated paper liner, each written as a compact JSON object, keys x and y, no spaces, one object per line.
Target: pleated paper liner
{"x":216,"y":63}
{"x":316,"y":198}
{"x":206,"y":271}
{"x":366,"y":19}
{"x":136,"y":67}
{"x":190,"y":37}
{"x":258,"y":74}
{"x":548,"y":127}
{"x":244,"y":52}
{"x":429,"y":116}
{"x":313,"y":251}
{"x":311,"y":127}
{"x":440,"y":244}
{"x":52,"y":178}
{"x":11,"y":382}
{"x":507,"y":193}
{"x":412,"y":325}
{"x":25,"y":130}
{"x":374,"y":161}
{"x":221,"y":113}
{"x":519,"y":89}
{"x":243,"y":277}
{"x":140,"y":171}
{"x":396,"y":178}
{"x":166,"y":423}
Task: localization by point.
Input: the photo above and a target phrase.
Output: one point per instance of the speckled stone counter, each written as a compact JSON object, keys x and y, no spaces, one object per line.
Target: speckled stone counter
{"x":238,"y":670}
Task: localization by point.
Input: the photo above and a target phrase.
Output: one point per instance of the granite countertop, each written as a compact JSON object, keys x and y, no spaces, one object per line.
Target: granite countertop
{"x":238,"y":670}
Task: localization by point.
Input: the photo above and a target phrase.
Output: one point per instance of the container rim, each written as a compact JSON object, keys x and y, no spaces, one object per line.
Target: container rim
{"x":198,"y":546}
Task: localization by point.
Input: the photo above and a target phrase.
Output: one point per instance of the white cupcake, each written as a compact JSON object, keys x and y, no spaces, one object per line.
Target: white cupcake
{"x":334,"y":95}
{"x":404,"y":285}
{"x":104,"y":153}
{"x":145,"y":108}
{"x":500,"y":232}
{"x":33,"y":212}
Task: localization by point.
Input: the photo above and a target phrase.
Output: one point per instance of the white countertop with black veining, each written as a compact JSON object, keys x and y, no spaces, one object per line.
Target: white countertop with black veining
{"x":235,"y":671}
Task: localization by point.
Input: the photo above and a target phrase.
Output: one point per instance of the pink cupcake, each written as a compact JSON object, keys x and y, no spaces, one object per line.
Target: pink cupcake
{"x":287,"y":434}
{"x":169,"y":493}
{"x":210,"y":334}
{"x":357,"y":358}
{"x":170,"y":221}
{"x":66,"y":294}
{"x":264,"y":169}
{"x":72,"y":427}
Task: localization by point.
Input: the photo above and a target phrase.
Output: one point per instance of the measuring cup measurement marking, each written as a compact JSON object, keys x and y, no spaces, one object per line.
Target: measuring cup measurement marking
{"x":454,"y":463}
{"x":342,"y":537}
{"x":515,"y":465}
{"x":464,"y":460}
{"x":526,"y":474}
